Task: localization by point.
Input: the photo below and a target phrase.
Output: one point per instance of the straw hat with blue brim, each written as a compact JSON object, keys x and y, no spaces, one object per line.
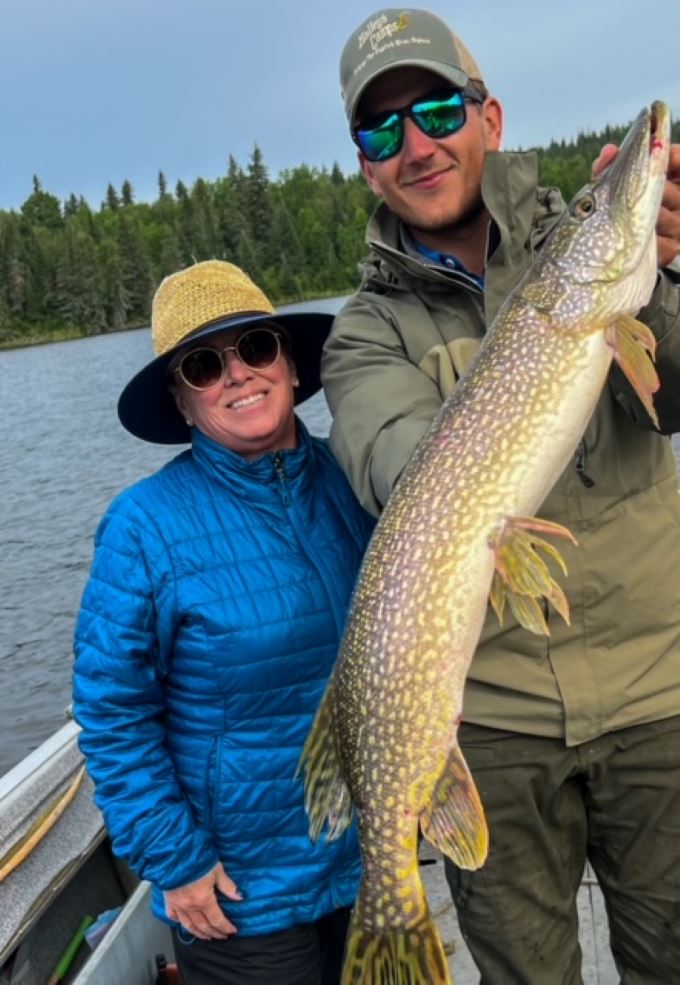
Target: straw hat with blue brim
{"x":192,"y":305}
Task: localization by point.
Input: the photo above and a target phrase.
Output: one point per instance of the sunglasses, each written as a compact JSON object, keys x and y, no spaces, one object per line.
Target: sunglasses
{"x":202,"y":368}
{"x":438,"y":115}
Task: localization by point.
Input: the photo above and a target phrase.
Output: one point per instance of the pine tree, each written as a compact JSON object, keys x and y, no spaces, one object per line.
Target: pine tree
{"x":17,"y":285}
{"x":71,"y":206}
{"x":258,"y":207}
{"x":230,"y":210}
{"x":112,"y":201}
{"x":137,"y":277}
{"x":115,"y":297}
{"x":204,"y":244}
{"x":40,"y":255}
{"x":9,"y":330}
{"x":79,"y":283}
{"x":337,"y":177}
{"x":41,"y":208}
{"x":126,"y":193}
{"x":171,"y":258}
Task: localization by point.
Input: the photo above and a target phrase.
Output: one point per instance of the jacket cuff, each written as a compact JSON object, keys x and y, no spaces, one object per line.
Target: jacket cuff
{"x":197,"y":864}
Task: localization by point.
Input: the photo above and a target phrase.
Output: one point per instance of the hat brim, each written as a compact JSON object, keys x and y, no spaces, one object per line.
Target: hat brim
{"x":456,"y":76}
{"x":147,"y":409}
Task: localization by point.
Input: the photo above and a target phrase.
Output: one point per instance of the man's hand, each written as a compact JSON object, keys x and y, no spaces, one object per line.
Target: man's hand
{"x":195,"y":905}
{"x":668,"y":223}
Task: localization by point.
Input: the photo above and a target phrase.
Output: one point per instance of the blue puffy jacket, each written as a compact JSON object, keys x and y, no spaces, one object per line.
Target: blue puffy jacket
{"x":209,"y":625}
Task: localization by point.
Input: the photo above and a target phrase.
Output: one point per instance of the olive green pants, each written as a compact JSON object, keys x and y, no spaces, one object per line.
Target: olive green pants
{"x":614,"y":801}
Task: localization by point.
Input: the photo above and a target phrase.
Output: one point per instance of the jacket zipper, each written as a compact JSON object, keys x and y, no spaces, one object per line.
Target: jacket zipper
{"x":581,"y":459}
{"x":337,"y":609}
{"x":281,"y":476}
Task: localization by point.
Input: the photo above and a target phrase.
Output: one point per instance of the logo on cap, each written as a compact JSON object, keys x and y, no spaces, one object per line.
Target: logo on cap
{"x":380,"y":29}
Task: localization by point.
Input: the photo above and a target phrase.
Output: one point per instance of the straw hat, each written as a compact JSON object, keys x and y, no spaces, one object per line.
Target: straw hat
{"x":196,"y":303}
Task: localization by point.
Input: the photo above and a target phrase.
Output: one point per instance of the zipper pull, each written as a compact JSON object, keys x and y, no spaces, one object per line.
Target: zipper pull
{"x":281,"y":476}
{"x":581,"y":456}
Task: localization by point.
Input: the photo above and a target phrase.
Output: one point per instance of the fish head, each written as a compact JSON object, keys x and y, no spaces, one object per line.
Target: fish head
{"x":601,"y":258}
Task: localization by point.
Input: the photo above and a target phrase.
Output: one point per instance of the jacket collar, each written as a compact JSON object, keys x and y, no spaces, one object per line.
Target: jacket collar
{"x":509,"y":185}
{"x":259,"y":478}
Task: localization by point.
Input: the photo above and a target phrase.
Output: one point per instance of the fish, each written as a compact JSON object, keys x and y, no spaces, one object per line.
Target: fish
{"x":460,"y":532}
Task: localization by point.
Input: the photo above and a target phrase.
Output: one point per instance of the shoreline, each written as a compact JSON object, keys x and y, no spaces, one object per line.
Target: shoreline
{"x":62,"y":335}
{"x":71,"y":334}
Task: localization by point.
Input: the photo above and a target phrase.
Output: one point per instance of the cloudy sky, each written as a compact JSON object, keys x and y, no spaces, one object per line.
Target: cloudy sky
{"x":98,"y":91}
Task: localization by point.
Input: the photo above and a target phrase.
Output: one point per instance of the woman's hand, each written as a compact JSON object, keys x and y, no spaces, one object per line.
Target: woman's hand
{"x":195,"y":905}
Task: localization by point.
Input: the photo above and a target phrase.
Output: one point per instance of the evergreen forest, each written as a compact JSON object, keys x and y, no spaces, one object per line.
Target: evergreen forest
{"x":68,"y":269}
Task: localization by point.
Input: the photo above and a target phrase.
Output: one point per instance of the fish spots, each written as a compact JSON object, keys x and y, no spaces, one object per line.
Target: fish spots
{"x":403,"y":891}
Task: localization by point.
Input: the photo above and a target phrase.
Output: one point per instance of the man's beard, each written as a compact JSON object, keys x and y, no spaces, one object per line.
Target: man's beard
{"x":467,"y":218}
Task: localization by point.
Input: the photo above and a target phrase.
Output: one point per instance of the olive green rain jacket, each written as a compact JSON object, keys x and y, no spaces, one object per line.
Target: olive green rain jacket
{"x":396,"y":351}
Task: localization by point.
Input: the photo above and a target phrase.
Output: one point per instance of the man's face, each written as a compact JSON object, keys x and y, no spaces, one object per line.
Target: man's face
{"x":431,"y":184}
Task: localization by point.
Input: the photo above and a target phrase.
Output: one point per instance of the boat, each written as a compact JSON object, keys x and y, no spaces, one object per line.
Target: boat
{"x":58,"y":874}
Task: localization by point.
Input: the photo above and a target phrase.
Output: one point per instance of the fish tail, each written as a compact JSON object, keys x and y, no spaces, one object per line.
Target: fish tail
{"x":411,"y":955}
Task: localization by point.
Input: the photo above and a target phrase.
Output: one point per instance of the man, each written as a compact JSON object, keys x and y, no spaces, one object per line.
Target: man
{"x":574,"y":740}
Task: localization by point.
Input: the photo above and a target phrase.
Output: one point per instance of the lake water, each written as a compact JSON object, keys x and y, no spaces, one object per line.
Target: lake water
{"x":63,"y":456}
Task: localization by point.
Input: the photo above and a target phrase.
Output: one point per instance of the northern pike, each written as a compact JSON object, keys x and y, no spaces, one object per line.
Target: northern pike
{"x":460,"y":530}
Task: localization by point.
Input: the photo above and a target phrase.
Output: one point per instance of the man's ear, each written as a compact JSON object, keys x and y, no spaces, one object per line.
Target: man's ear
{"x":492,"y":115}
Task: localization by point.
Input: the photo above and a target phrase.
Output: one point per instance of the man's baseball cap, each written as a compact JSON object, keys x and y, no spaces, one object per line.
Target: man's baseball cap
{"x":399,"y":36}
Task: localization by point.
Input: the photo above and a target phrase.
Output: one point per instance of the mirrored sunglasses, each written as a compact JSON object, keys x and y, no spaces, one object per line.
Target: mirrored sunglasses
{"x":438,"y":115}
{"x":204,"y":367}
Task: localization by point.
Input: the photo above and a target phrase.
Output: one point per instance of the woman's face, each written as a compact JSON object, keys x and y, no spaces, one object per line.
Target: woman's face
{"x":249,"y":411}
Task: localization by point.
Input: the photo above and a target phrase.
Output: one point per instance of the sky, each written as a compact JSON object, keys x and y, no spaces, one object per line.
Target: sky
{"x":99,"y":91}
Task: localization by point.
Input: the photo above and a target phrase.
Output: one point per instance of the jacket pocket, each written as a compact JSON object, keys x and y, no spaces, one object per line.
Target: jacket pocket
{"x":212,"y":782}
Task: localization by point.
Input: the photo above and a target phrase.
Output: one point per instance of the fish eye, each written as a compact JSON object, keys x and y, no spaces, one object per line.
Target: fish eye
{"x":583,"y":206}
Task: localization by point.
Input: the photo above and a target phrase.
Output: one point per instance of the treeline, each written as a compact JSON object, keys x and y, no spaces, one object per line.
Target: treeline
{"x":69,"y":269}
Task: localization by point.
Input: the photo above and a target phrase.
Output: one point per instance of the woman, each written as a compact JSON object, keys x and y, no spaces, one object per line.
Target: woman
{"x":208,"y":628}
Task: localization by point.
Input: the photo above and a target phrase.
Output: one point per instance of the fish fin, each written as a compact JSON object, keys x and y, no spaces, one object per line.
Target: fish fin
{"x":522,"y":577}
{"x":454,"y":820}
{"x":413,"y":954}
{"x":327,"y":796}
{"x":498,"y":596}
{"x":634,"y":347}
